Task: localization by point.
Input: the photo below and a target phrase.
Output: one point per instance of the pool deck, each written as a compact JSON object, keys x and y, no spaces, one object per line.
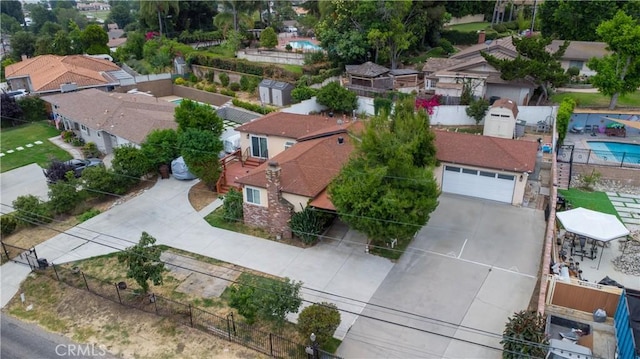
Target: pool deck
{"x":285,"y":38}
{"x":579,"y":140}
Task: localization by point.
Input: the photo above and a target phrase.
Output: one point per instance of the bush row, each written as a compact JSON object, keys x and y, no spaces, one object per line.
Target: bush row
{"x":253,"y":107}
{"x":243,"y":66}
{"x":466,"y":38}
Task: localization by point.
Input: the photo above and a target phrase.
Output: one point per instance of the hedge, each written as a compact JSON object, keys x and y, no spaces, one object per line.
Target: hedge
{"x":466,"y":38}
{"x":253,"y":107}
{"x":242,"y":66}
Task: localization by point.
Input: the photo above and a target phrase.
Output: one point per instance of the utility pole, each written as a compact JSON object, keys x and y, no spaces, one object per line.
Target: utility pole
{"x":533,"y":18}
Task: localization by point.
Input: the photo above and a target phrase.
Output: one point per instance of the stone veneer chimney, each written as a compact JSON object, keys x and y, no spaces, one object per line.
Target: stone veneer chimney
{"x":279,"y":210}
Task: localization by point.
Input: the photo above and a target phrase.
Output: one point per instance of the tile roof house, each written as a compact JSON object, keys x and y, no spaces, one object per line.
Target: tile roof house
{"x":51,"y":73}
{"x":484,"y":167}
{"x":445,"y":77}
{"x":111,"y":119}
{"x":309,"y":151}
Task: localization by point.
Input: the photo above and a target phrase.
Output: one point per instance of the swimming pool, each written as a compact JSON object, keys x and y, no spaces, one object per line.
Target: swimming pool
{"x":176,"y":101}
{"x":305,"y":45}
{"x":616,"y":151}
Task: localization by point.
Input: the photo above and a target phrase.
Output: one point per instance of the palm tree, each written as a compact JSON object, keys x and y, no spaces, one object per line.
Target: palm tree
{"x":160,"y":7}
{"x":240,"y":10}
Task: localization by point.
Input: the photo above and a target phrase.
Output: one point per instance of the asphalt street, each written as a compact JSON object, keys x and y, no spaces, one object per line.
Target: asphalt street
{"x":23,"y":340}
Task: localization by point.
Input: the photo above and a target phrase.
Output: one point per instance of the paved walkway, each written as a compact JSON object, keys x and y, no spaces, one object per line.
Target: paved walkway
{"x":73,"y":151}
{"x":628,"y":207}
{"x":164,"y":211}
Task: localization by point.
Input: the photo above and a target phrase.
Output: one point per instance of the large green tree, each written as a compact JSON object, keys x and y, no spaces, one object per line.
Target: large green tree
{"x":387,"y":190}
{"x":200,"y":149}
{"x":94,"y":40}
{"x":120,"y":14}
{"x":268,"y":38}
{"x":533,"y":63}
{"x":9,"y":25}
{"x":268,"y":299}
{"x":619,"y":72}
{"x":143,"y":261}
{"x":355,"y":31}
{"x":337,"y":98}
{"x":158,"y":9}
{"x":22,"y":43}
{"x":161,"y":147}
{"x":190,"y":114}
{"x":12,"y":8}
{"x":576,"y":20}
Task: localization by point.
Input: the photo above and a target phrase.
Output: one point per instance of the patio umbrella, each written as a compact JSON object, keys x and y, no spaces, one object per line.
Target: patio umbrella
{"x":596,"y":225}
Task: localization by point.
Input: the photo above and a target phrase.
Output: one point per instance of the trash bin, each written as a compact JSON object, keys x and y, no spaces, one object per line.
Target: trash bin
{"x":42,"y":263}
{"x":520,"y":127}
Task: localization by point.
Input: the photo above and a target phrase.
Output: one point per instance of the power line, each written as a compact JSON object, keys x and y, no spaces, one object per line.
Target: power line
{"x":453,"y":325}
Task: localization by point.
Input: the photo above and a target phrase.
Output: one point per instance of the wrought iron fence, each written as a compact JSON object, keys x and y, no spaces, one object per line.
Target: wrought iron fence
{"x":598,"y":157}
{"x":17,"y":254}
{"x":224,"y":327}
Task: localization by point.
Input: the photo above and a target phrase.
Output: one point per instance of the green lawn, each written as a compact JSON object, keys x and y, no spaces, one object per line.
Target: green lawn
{"x":597,"y":99}
{"x":296,"y":69}
{"x":597,"y":201}
{"x":470,"y":27}
{"x":23,"y":135}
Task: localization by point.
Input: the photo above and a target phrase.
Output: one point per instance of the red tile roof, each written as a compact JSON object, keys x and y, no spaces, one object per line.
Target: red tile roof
{"x":307,"y":167}
{"x":484,"y":151}
{"x":48,"y":72}
{"x":289,"y":125}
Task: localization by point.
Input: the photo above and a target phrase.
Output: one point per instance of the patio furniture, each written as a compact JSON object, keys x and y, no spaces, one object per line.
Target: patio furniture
{"x":588,"y":128}
{"x":577,"y":129}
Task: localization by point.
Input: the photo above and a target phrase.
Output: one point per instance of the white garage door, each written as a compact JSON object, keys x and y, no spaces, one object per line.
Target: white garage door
{"x":482,"y":184}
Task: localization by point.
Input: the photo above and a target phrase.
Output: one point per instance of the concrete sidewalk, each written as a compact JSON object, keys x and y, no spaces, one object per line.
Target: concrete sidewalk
{"x":164,"y":211}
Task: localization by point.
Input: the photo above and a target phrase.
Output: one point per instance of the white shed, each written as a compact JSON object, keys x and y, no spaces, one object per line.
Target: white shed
{"x":500,"y":120}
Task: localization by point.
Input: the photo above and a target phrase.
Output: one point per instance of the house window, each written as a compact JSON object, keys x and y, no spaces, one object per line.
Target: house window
{"x":487,"y":174}
{"x":85,"y":129}
{"x":469,"y":172}
{"x":506,"y":177}
{"x":430,"y":84}
{"x":288,"y":144}
{"x":452,"y":169}
{"x":98,"y":134}
{"x":253,"y":195}
{"x":259,"y":147}
{"x":576,"y":63}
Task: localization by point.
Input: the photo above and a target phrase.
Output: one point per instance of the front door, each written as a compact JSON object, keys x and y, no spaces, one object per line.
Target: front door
{"x":259,"y":147}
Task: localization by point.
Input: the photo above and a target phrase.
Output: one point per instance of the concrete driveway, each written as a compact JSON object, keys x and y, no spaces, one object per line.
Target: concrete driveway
{"x":22,"y":181}
{"x":466,"y":272}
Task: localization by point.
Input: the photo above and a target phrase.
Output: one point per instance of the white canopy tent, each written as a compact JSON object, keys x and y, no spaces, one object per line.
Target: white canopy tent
{"x":595,"y":225}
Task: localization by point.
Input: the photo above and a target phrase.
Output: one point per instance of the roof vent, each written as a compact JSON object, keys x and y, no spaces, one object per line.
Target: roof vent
{"x":340,"y":140}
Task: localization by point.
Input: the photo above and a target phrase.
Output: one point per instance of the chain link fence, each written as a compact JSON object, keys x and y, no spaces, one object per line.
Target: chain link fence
{"x":224,"y":327}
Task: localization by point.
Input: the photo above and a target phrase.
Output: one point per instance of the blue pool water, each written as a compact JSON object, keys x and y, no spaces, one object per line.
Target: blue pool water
{"x":177,"y":102}
{"x":616,"y":151}
{"x":305,"y":45}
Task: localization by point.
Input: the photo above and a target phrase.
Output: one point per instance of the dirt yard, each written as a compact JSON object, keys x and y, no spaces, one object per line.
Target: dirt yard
{"x":125,"y":332}
{"x":200,"y":196}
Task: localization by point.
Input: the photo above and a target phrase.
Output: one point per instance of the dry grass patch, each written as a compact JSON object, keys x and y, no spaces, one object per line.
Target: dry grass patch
{"x":200,"y":196}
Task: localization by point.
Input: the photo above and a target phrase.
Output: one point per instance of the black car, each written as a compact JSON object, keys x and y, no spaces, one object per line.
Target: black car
{"x":57,"y":170}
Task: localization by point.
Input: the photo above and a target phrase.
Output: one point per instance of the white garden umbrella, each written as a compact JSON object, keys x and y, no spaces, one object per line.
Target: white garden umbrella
{"x":596,"y":225}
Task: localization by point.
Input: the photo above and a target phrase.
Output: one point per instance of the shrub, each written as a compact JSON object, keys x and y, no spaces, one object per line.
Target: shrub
{"x":8,"y":224}
{"x":511,"y":25}
{"x":573,"y":71}
{"x":308,"y":224}
{"x":446,"y":46}
{"x":210,"y":76}
{"x":77,"y":141}
{"x":302,"y":93}
{"x":466,"y":38}
{"x":33,"y":108}
{"x":90,"y":150}
{"x":500,"y":28}
{"x":382,"y":104}
{"x":588,"y":181}
{"x":180,"y":81}
{"x":337,"y":98}
{"x":288,"y":47}
{"x":245,"y":83}
{"x":524,"y":336}
{"x":322,"y":319}
{"x":31,"y":211}
{"x":67,"y":136}
{"x":100,"y":182}
{"x":232,"y":206}
{"x":564,"y":115}
{"x":64,"y":195}
{"x":314,"y":57}
{"x":193,"y":78}
{"x":160,"y":147}
{"x":234,"y":86}
{"x":253,"y":107}
{"x":88,"y":215}
{"x":224,"y":79}
{"x":211,"y":88}
{"x":130,"y":162}
{"x":477,"y":109}
{"x":227,"y":92}
{"x":266,"y":298}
